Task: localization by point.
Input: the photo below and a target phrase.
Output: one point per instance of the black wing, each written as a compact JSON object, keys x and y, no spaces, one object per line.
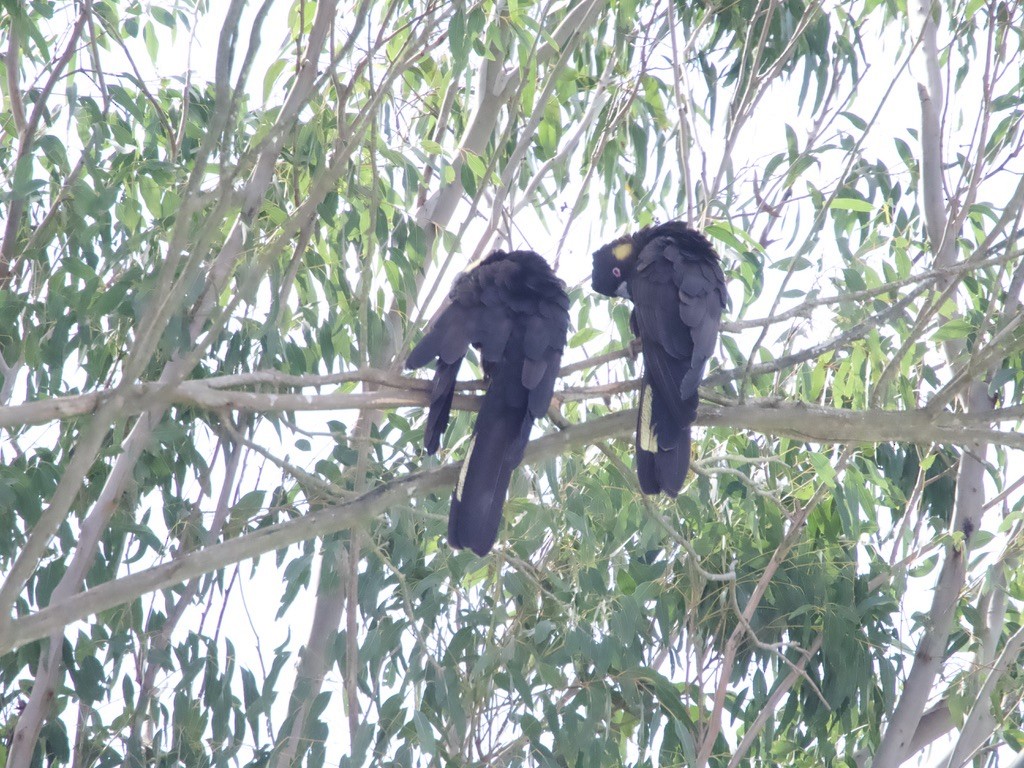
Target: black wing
{"x":447,"y":341}
{"x":515,"y":311}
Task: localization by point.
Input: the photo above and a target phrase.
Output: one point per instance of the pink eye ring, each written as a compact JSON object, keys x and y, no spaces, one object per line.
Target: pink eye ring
{"x":616,"y":271}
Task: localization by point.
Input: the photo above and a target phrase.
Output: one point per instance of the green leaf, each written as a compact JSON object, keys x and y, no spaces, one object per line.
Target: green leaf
{"x":272,"y":75}
{"x":582,"y":336}
{"x":851,"y":204}
{"x":953,"y":329}
{"x":475,"y":164}
{"x":425,"y":733}
{"x":89,"y":679}
{"x":823,"y":468}
{"x":152,"y":43}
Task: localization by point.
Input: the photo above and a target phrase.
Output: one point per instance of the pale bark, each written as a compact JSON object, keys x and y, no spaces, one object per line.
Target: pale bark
{"x":897,"y":741}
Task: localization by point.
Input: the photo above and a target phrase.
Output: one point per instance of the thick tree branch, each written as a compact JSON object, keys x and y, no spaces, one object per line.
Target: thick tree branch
{"x":969,"y":502}
{"x":803,"y":422}
{"x":935,"y":723}
{"x":933,"y":185}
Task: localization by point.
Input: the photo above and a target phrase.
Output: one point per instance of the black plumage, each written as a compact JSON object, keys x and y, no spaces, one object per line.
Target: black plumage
{"x":515,"y":311}
{"x":673,"y":277}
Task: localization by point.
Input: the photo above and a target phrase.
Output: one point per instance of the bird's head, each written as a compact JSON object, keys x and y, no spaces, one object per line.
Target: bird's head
{"x":613,"y":265}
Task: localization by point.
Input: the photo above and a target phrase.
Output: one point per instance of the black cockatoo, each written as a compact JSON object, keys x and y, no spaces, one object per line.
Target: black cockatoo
{"x":673,"y":277}
{"x":515,"y":311}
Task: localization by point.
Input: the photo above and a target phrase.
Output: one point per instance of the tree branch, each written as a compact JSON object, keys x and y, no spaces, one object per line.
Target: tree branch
{"x":969,"y":502}
{"x":803,"y":422}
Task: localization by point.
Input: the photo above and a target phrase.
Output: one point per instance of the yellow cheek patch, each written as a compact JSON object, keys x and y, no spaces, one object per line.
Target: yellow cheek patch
{"x":622,"y":251}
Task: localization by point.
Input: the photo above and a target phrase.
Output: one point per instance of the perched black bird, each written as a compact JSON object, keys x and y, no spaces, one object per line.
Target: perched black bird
{"x":676,"y":284}
{"x":512,"y":308}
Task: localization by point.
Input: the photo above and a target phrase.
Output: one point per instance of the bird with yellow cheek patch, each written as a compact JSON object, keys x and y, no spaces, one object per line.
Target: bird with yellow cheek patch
{"x":675,"y":281}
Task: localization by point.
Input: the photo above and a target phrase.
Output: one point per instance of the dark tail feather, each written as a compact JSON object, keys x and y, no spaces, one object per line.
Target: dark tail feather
{"x":647,"y":472}
{"x":499,"y":440}
{"x":664,"y":471}
{"x":440,"y":403}
{"x":662,"y":444}
{"x":673,"y":465}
